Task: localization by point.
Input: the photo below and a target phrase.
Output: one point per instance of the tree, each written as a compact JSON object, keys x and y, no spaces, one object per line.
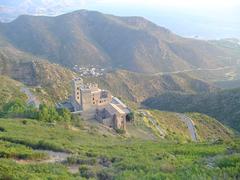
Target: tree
{"x":43,"y":113}
{"x":15,"y":108}
{"x":130,"y":117}
{"x":53,"y":114}
{"x":65,"y":114}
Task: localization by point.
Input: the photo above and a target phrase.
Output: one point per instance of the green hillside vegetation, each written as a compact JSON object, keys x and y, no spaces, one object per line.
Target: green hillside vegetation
{"x":222,"y":105}
{"x":50,"y":82}
{"x":207,"y":128}
{"x":10,"y":90}
{"x":106,"y":157}
{"x":20,"y":109}
{"x":17,"y":151}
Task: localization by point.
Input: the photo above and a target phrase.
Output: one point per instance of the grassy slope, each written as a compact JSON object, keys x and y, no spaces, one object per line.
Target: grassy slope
{"x":9,"y":90}
{"x":127,"y":158}
{"x":207,"y":128}
{"x":50,"y":82}
{"x":54,"y":80}
{"x":222,"y":105}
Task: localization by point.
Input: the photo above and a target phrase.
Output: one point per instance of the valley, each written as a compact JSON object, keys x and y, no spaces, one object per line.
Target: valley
{"x":182,"y":94}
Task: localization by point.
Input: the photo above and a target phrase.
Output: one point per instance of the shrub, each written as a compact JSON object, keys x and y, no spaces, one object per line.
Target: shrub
{"x":86,"y":172}
{"x":81,"y":160}
{"x":130,"y":117}
{"x":24,"y":121}
{"x":105,"y":161}
{"x":14,"y":108}
{"x":65,"y":114}
{"x":120,"y":131}
{"x":104,"y":175}
{"x":2,"y":129}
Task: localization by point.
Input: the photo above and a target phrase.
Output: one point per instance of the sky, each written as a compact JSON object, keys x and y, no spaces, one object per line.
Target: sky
{"x":208,"y":19}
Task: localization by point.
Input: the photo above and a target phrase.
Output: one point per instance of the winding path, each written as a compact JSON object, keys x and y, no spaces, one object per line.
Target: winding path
{"x":189,"y":124}
{"x":53,"y":157}
{"x":154,"y":122}
{"x":192,"y":70}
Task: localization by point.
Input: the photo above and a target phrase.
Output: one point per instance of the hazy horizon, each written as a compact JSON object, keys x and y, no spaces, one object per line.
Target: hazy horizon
{"x":202,"y":19}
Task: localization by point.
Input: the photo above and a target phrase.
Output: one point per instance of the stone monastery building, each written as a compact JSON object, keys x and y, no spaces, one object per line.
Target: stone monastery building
{"x":95,"y":103}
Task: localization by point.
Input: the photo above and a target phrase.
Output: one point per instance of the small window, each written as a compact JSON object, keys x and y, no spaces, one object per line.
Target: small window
{"x":93,"y":99}
{"x":78,"y":97}
{"x":77,"y":93}
{"x":93,"y":102}
{"x":100,"y":102}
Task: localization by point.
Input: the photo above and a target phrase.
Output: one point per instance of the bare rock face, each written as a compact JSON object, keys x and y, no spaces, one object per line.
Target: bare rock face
{"x":25,"y":73}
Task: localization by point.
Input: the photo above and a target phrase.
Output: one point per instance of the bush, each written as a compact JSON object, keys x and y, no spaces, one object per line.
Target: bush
{"x":81,"y":160}
{"x":86,"y":172}
{"x":2,"y":129}
{"x":130,"y":117}
{"x":104,"y":175}
{"x":19,"y":109}
{"x":24,"y":121}
{"x":14,"y":108}
{"x":65,"y":114}
{"x":120,"y":131}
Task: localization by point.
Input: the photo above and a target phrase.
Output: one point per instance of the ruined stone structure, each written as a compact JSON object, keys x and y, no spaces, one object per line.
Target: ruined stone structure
{"x":95,"y":103}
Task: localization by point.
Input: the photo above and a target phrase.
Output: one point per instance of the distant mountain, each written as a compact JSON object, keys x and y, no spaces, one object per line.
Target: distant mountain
{"x":132,"y":43}
{"x":222,"y":105}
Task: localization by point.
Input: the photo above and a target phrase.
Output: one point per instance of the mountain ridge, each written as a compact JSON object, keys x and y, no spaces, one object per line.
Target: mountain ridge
{"x":90,"y":37}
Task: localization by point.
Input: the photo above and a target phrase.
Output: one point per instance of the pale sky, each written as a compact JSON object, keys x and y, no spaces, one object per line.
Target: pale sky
{"x":203,"y":18}
{"x":172,"y":3}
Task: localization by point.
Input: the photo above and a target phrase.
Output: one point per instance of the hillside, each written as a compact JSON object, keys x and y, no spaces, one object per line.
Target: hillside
{"x":232,"y":45}
{"x":76,"y":153}
{"x":50,"y":81}
{"x":9,"y":90}
{"x":138,"y":87}
{"x":222,"y":105}
{"x":170,"y":126}
{"x":132,"y":43}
